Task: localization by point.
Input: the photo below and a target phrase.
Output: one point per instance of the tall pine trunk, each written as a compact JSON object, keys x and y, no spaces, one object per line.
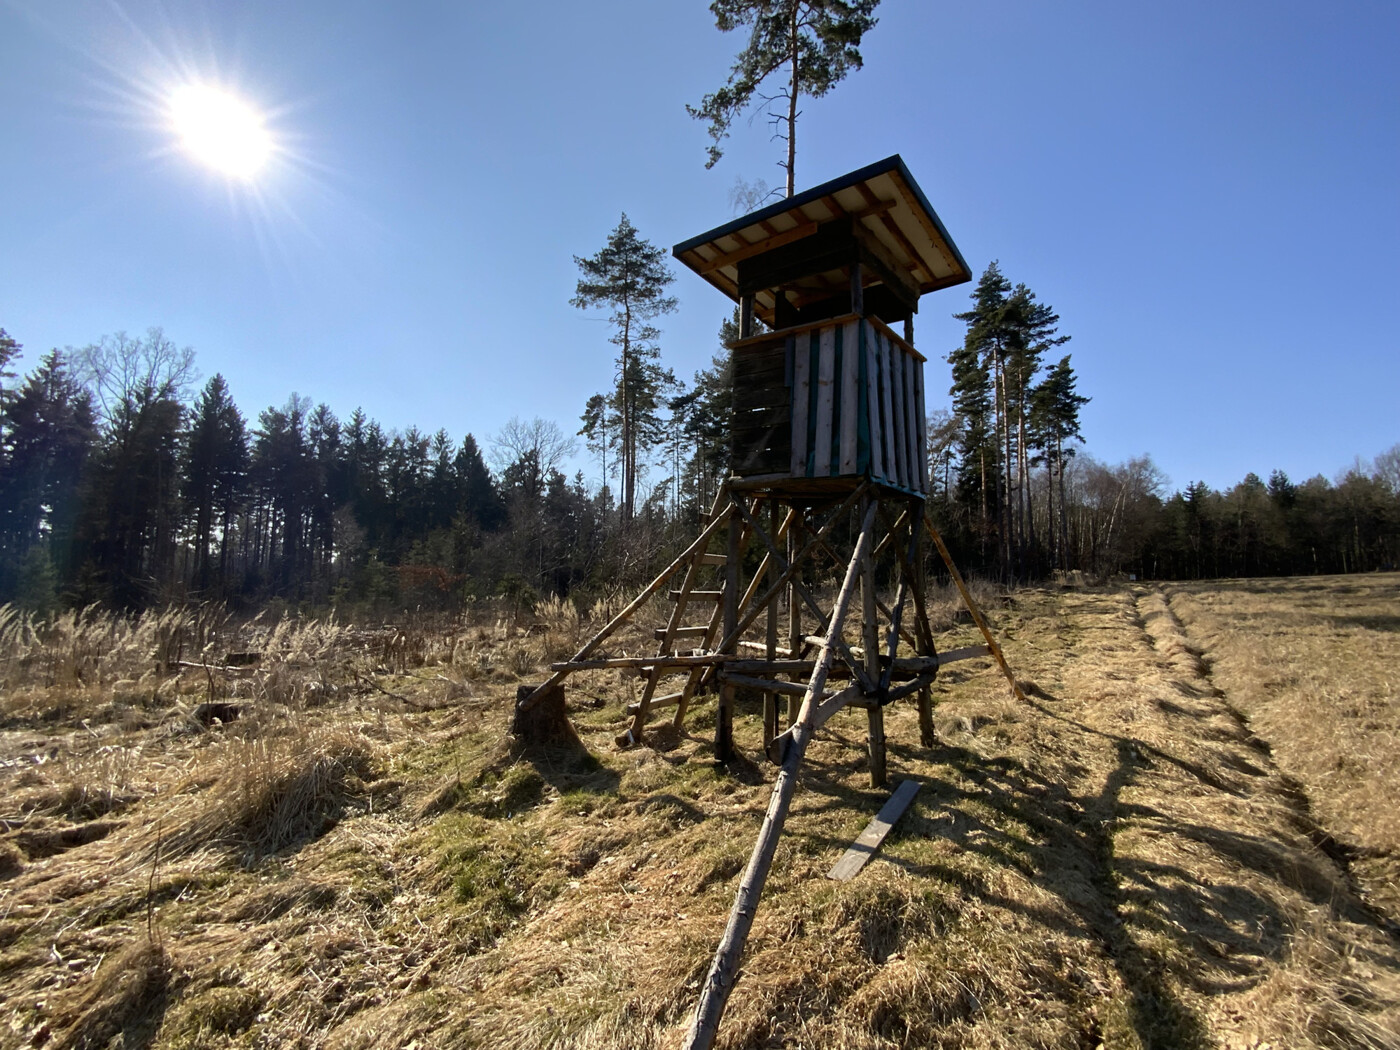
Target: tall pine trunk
{"x":792,"y":109}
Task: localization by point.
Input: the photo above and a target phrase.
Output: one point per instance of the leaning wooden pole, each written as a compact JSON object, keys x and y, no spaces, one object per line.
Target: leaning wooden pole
{"x":974,"y":611}
{"x":725,"y":968}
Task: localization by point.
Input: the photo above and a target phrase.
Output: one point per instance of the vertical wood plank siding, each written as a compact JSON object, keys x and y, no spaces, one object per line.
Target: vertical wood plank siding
{"x":801,"y":384}
{"x":894,"y":469}
{"x":872,"y":395}
{"x":850,"y":398}
{"x":911,"y":428}
{"x":900,"y":415}
{"x":922,"y":419}
{"x":850,"y":352}
{"x":826,"y":403}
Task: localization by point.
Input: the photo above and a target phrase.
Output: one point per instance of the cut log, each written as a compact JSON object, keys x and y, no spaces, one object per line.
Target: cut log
{"x":543,"y":722}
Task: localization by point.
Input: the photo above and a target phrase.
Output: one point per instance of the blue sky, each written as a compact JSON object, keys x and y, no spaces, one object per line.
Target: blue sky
{"x":1209,"y":194}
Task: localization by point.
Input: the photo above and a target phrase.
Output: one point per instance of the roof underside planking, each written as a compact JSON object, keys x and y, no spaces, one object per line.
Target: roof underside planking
{"x":900,"y":232}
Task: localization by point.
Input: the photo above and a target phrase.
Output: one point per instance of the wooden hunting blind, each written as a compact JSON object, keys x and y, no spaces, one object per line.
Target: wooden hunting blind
{"x":827,"y":440}
{"x":830,"y":392}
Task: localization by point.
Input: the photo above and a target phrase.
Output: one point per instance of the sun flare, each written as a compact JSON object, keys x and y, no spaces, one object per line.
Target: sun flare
{"x":220,"y":130}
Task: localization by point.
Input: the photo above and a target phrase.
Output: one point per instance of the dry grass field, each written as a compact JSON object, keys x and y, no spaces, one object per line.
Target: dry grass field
{"x":1187,"y":838}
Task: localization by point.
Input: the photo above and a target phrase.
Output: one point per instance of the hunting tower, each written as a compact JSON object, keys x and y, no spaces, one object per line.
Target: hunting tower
{"x":829,"y":392}
{"x":829,"y":471}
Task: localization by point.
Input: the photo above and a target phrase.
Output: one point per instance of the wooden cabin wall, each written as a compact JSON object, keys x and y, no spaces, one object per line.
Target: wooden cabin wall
{"x":761,"y":431}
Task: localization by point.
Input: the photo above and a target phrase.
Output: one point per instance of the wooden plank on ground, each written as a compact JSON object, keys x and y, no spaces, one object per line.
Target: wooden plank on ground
{"x":855,"y":858}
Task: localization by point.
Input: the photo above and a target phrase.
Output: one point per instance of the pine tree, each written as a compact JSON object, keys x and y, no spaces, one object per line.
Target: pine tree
{"x":811,"y":44}
{"x":215,"y":468}
{"x":982,"y":360}
{"x":131,"y":506}
{"x":9,"y":350}
{"x":630,"y":276}
{"x":1054,"y":410}
{"x":46,"y":433}
{"x":1032,"y":331}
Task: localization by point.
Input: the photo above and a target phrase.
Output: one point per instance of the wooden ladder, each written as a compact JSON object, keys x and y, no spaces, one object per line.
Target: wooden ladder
{"x":675,"y":630}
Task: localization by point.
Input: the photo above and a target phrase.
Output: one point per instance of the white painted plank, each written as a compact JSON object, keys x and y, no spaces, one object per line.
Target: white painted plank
{"x":922,"y":419}
{"x":872,"y":394}
{"x":893,"y":469}
{"x":826,"y":403}
{"x":850,"y":392}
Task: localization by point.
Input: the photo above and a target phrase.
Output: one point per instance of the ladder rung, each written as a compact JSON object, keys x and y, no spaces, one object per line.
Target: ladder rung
{"x":669,"y":700}
{"x":681,"y":632}
{"x":713,"y":559}
{"x":698,"y":596}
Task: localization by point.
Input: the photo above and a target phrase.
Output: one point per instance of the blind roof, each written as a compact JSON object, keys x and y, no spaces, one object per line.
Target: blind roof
{"x":883,"y":197}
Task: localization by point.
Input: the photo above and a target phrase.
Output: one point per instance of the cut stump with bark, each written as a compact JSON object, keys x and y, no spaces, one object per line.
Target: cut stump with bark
{"x":544,"y":723}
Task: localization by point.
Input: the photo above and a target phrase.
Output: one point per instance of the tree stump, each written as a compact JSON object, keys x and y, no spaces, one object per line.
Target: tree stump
{"x":545,"y":723}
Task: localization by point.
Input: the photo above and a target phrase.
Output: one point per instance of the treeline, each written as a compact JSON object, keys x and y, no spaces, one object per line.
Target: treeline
{"x":1017,"y":502}
{"x":120,"y":486}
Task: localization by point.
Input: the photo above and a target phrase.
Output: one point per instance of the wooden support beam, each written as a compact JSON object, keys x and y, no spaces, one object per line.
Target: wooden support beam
{"x":748,"y":251}
{"x":779,"y":651}
{"x":794,"y":625}
{"x":697,"y":596}
{"x":633,"y":734}
{"x":641,"y":662}
{"x":870,"y":631}
{"x":768,"y":685}
{"x":914,"y":566}
{"x":669,"y":700}
{"x":903,"y":633}
{"x":724,"y":723}
{"x":731,"y":638}
{"x":975,"y":612}
{"x":693,"y":631}
{"x":927,"y":736}
{"x":770,"y":697}
{"x":719,"y":982}
{"x":807,"y":596}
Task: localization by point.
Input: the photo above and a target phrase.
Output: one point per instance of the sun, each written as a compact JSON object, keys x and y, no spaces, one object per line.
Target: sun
{"x":220,"y":130}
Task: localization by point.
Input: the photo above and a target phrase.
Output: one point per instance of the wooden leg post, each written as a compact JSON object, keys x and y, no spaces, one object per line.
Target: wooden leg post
{"x":794,"y":620}
{"x":927,"y":736}
{"x":724,"y":717}
{"x":770,"y":698}
{"x":871,"y":640}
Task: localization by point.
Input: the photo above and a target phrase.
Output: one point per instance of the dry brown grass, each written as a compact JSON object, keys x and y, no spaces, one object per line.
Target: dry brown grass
{"x":370,"y":863}
{"x":1314,"y":664}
